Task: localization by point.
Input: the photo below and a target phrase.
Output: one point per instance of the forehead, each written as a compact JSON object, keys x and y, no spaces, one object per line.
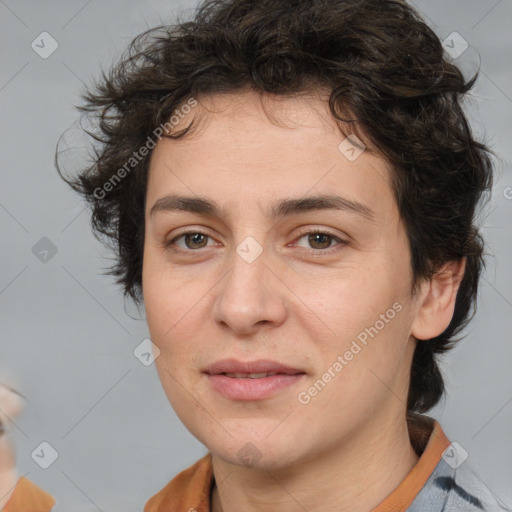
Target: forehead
{"x":250,"y":149}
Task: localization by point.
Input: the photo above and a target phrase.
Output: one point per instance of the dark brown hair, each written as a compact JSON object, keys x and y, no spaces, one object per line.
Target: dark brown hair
{"x":380,"y":62}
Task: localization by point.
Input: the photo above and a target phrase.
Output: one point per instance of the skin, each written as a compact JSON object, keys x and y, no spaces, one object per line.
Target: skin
{"x":302,"y":309}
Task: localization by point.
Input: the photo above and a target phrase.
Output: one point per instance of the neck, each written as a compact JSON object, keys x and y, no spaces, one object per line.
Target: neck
{"x":354,"y":477}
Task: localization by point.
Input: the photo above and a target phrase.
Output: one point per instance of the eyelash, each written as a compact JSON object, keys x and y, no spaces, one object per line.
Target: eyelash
{"x":309,"y":252}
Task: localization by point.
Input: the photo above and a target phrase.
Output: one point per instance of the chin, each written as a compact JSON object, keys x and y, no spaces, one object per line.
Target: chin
{"x":253,"y":451}
{"x":250,"y":457}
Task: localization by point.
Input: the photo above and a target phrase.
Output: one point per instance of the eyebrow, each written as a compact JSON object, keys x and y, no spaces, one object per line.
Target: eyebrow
{"x":280,"y":209}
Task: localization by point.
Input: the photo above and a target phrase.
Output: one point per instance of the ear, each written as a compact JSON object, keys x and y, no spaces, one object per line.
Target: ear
{"x":437,"y":301}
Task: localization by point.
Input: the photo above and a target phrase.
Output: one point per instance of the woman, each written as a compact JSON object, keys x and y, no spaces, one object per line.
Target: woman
{"x":291,"y":187}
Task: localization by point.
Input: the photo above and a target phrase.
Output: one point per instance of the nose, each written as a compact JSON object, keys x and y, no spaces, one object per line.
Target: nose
{"x":251,"y":294}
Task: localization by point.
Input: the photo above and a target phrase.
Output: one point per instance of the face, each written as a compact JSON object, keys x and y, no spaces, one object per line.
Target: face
{"x":317,"y":293}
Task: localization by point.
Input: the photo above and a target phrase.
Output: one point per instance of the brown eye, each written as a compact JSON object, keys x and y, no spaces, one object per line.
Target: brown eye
{"x":197,"y":240}
{"x":322,"y":239}
{"x":319,"y":242}
{"x":193,"y":240}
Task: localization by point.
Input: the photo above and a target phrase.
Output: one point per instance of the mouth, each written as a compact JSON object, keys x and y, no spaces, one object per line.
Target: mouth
{"x":252,"y":380}
{"x":249,"y":375}
{"x":252,"y":369}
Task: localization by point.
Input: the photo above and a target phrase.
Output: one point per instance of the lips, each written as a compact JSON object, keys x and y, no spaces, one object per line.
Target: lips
{"x":250,"y":369}
{"x":251,"y":380}
{"x":249,"y":375}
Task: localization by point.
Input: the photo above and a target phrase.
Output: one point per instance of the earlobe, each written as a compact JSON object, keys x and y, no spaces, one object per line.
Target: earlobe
{"x":435,"y":309}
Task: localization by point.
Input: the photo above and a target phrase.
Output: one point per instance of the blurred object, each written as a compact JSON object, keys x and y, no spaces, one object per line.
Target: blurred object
{"x":16,"y":494}
{"x":11,"y":404}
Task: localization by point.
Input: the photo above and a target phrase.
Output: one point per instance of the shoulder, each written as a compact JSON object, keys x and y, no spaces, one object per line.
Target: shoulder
{"x":452,"y":488}
{"x":189,"y":489}
{"x":28,"y":497}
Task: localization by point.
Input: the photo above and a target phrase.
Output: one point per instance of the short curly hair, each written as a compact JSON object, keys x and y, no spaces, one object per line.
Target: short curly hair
{"x":379,"y":61}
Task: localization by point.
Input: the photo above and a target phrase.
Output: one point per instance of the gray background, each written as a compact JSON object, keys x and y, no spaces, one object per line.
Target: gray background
{"x":66,"y":339}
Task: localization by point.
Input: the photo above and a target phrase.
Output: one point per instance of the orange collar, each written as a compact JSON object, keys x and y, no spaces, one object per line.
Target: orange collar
{"x":191,"y":489}
{"x":429,"y":441}
{"x":28,"y":497}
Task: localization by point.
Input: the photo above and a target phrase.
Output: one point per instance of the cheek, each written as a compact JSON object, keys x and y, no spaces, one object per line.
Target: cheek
{"x":171,"y":314}
{"x":364,"y":315}
{"x":165,"y":299}
{"x":175,"y":334}
{"x":348,"y":301}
